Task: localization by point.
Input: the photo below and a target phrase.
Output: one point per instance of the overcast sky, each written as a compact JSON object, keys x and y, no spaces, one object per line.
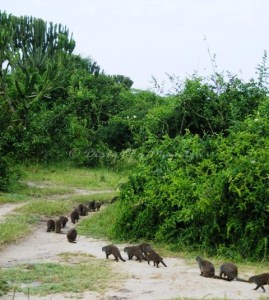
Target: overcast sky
{"x":141,"y":38}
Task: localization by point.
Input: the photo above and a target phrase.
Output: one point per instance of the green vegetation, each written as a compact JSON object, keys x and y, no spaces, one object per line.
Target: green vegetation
{"x":204,"y":190}
{"x":51,"y":278}
{"x":66,"y":177}
{"x":12,"y":198}
{"x":14,"y":228}
{"x":99,"y":225}
{"x":45,"y":208}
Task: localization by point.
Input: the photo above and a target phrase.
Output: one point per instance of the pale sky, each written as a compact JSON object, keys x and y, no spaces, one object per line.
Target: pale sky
{"x":141,"y":38}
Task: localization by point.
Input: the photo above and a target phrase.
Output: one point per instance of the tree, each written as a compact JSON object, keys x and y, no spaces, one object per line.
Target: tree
{"x":35,"y":59}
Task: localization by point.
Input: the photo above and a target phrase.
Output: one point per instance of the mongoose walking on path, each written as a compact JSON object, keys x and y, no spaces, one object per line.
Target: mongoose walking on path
{"x":98,"y":205}
{"x":74,"y":216}
{"x":114,"y":250}
{"x":260,"y":280}
{"x":91,"y":205}
{"x":71,"y":235}
{"x":64,"y":220}
{"x":50,"y":225}
{"x":155,"y":257}
{"x":134,"y":251}
{"x":58,"y":226}
{"x":230,"y":271}
{"x":144,"y":247}
{"x":83,"y":210}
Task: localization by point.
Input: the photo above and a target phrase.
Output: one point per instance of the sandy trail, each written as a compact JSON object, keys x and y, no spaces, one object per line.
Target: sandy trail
{"x":8,"y":208}
{"x":179,"y":280}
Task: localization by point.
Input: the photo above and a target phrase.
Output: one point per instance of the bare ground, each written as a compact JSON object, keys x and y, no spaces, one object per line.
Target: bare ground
{"x":179,"y":280}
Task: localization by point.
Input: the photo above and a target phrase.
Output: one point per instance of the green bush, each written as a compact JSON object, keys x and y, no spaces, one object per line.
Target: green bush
{"x":210,"y":193}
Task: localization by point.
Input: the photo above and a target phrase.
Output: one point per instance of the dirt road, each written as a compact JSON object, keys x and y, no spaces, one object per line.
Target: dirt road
{"x":179,"y":280}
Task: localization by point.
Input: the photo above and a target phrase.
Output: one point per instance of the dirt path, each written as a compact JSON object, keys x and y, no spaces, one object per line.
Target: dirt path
{"x":144,"y":281}
{"x":8,"y":208}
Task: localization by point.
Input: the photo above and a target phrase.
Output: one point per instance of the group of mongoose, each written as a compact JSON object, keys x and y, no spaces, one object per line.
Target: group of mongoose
{"x":144,"y":251}
{"x":81,"y":210}
{"x":229,"y":271}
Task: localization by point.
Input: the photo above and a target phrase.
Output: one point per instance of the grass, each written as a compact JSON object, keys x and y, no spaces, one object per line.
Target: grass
{"x":48,"y":191}
{"x":15,"y":227}
{"x":98,"y":226}
{"x":69,"y":276}
{"x":12,"y":198}
{"x":74,"y":177}
{"x":3,"y":287}
{"x":46,"y":208}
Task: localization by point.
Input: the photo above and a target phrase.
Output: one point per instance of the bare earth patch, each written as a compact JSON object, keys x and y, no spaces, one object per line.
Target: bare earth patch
{"x":8,"y":208}
{"x":178,"y":280}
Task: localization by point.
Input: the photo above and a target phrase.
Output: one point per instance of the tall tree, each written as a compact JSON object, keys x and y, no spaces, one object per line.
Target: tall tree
{"x":33,"y":59}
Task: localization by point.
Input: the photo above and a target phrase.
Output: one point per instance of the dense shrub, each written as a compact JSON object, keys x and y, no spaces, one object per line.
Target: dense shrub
{"x":207,"y":192}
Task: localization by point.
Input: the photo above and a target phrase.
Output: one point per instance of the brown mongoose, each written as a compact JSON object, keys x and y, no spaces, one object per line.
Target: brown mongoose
{"x":207,"y":268}
{"x":74,"y":216}
{"x":50,"y":225}
{"x":144,"y":247}
{"x":83,"y":210}
{"x":155,"y":257}
{"x":91,"y":205}
{"x":114,"y":199}
{"x":260,"y":280}
{"x":64,"y":220}
{"x":114,"y":250}
{"x":98,"y":205}
{"x":71,"y":235}
{"x":134,"y":251}
{"x":230,"y":271}
{"x":58,"y":226}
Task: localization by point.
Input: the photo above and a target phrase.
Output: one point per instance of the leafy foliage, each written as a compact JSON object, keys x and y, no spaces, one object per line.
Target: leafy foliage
{"x":209,"y":191}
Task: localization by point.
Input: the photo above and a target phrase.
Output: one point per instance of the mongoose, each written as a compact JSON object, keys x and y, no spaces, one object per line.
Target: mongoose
{"x":50,"y":225}
{"x":71,"y":235}
{"x":91,"y":205}
{"x":83,"y":210}
{"x":64,"y":220}
{"x":207,"y":268}
{"x":230,"y":271}
{"x":144,"y":247}
{"x":155,"y":257}
{"x":58,"y":226}
{"x":98,"y":205}
{"x":134,"y":251}
{"x":74,"y":216}
{"x":80,"y":209}
{"x":260,"y":280}
{"x":111,"y":249}
{"x":114,"y":199}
